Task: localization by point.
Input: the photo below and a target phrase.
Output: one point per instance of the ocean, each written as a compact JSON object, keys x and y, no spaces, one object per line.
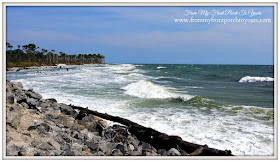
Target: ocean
{"x":224,"y":106}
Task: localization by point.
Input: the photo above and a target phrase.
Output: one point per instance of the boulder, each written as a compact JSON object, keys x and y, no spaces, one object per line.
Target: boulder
{"x":92,"y":146}
{"x":173,"y":152}
{"x":133,"y":140}
{"x":18,"y":85}
{"x":146,"y":146}
{"x":12,"y":149}
{"x":68,"y":110}
{"x":121,"y":147}
{"x":55,"y":145}
{"x":117,"y":152}
{"x":51,"y":100}
{"x":106,"y":147}
{"x":27,"y":151}
{"x":77,"y":149}
{"x":32,"y":103}
{"x":34,"y":95}
{"x":14,"y":115}
{"x":10,"y":99}
{"x":44,"y":146}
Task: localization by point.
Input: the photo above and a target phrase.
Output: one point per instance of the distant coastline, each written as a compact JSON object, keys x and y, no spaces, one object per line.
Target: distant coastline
{"x":30,"y":55}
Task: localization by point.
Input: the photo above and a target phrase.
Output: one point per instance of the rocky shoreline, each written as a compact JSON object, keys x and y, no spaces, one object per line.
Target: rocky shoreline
{"x":44,"y":127}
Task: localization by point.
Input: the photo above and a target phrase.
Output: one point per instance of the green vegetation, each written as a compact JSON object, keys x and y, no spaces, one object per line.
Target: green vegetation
{"x":30,"y":55}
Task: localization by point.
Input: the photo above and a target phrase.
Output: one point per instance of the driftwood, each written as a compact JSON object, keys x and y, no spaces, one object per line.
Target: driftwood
{"x":155,"y":138}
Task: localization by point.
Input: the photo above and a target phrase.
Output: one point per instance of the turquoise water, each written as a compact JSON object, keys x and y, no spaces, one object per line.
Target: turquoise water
{"x":223,"y":106}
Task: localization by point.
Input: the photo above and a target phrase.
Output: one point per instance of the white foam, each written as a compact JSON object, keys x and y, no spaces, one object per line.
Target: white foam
{"x":256,"y":79}
{"x":161,"y":67}
{"x":147,"y":89}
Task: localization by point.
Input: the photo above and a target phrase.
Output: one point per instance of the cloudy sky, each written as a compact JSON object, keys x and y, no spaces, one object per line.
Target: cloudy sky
{"x":144,"y":34}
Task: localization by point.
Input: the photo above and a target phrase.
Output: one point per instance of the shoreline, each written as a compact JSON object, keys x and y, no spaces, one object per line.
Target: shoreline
{"x":63,"y":66}
{"x":43,"y":127}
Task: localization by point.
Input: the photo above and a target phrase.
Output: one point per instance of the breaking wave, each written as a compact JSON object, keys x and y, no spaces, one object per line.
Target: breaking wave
{"x":147,"y":89}
{"x":161,"y":67}
{"x":255,"y":79}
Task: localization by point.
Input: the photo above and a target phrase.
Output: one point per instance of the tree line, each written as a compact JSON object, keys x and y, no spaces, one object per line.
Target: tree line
{"x":32,"y":55}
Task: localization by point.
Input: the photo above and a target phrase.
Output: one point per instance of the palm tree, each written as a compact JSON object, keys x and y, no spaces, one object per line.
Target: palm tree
{"x":9,"y":46}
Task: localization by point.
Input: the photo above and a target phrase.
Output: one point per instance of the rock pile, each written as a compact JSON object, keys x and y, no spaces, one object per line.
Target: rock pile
{"x":44,"y":127}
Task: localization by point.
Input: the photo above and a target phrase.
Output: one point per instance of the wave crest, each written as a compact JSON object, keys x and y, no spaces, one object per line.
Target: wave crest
{"x":255,"y":79}
{"x":161,"y":67}
{"x":147,"y":89}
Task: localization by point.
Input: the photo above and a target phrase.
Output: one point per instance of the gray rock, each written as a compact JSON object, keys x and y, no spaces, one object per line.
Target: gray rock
{"x":8,"y":139}
{"x":68,"y":110}
{"x":44,"y":146}
{"x":45,"y":153}
{"x":162,"y":152}
{"x":92,"y":137}
{"x":35,"y":143}
{"x":68,"y":138}
{"x":19,"y":85}
{"x":106,"y":147}
{"x":121,"y":147}
{"x":32,"y":94}
{"x":25,"y":105}
{"x":117,"y":152}
{"x":65,"y":146}
{"x":133,"y":141}
{"x":146,"y":146}
{"x":14,"y":115}
{"x":99,"y":153}
{"x":147,"y":153}
{"x":51,"y":100}
{"x":44,"y":105}
{"x":88,"y":118}
{"x":32,"y":103}
{"x":55,"y":145}
{"x":12,"y":149}
{"x":10,"y":99}
{"x":93,"y":146}
{"x":130,"y":147}
{"x":68,"y":153}
{"x":77,"y":149}
{"x":173,"y":152}
{"x":26,"y":151}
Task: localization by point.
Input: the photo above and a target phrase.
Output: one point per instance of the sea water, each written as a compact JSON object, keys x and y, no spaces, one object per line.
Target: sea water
{"x":223,"y":106}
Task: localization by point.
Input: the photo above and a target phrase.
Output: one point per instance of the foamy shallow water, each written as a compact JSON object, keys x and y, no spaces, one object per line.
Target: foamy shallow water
{"x":153,"y":100}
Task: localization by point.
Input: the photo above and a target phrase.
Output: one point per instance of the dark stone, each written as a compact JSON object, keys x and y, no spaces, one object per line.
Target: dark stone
{"x":146,"y":146}
{"x":32,"y":127}
{"x":27,"y":134}
{"x":32,"y":94}
{"x":52,"y":100}
{"x":121,"y":148}
{"x":93,"y":146}
{"x":68,"y":110}
{"x":32,"y":103}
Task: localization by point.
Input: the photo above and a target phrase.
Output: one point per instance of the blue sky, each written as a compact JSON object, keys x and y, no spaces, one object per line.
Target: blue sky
{"x":144,"y":34}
